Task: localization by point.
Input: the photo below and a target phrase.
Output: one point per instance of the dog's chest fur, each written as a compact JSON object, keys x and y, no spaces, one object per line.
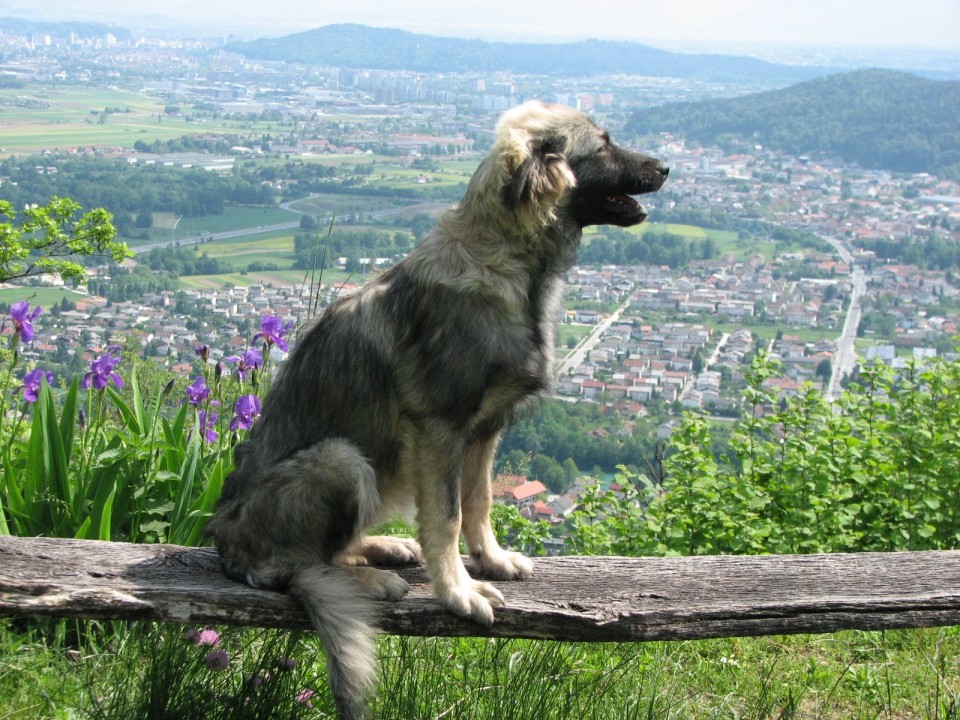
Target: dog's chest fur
{"x":471,"y":356}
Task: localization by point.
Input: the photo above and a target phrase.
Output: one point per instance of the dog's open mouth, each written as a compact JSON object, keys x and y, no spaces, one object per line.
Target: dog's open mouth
{"x":614,"y":199}
{"x":620,"y":204}
{"x":620,"y":209}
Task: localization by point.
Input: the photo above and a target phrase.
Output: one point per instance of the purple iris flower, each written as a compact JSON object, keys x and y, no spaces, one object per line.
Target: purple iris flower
{"x":32,"y":381}
{"x":246,"y":409}
{"x":250,"y":360}
{"x":101,"y":372}
{"x":272,"y":330}
{"x":208,"y":424}
{"x":202,"y":352}
{"x":198,"y":391}
{"x":23,"y":318}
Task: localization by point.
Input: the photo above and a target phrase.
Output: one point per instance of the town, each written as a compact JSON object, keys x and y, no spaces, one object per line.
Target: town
{"x":802,"y":270}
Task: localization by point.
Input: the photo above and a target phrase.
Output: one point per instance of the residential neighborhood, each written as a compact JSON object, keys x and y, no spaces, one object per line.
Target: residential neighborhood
{"x":807,"y":239}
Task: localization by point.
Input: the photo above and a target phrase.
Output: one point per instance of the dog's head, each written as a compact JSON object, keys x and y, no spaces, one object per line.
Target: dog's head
{"x":552,"y":158}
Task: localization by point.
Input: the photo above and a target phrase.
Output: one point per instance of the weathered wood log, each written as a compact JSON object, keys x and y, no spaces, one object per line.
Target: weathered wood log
{"x":570,"y":598}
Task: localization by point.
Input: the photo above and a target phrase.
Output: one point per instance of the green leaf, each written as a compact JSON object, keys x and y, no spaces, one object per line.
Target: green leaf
{"x":68,"y":417}
{"x":129,"y":416}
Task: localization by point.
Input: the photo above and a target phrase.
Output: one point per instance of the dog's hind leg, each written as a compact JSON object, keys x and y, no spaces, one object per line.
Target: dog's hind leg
{"x":477,"y":497}
{"x":436,"y":467}
{"x":381,"y":550}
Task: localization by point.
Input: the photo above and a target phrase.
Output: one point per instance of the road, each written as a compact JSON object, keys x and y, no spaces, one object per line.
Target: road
{"x":845,"y":358}
{"x":425,"y":207}
{"x":714,"y":357}
{"x":580,"y":352}
{"x":225,"y":235}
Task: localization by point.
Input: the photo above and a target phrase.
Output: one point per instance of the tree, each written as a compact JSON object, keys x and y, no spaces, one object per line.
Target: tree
{"x":144,"y":219}
{"x":41,"y":238}
{"x":549,"y":471}
{"x":824,"y":370}
{"x":698,"y":361}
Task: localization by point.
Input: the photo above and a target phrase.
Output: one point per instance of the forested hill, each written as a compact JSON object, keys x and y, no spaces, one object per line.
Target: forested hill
{"x":359,"y":46}
{"x":875,"y":118}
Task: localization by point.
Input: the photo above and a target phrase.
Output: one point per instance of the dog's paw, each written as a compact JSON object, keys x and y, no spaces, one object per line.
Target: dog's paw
{"x":381,"y":550}
{"x":504,"y":565}
{"x":387,"y":550}
{"x":381,"y":584}
{"x":474,"y":600}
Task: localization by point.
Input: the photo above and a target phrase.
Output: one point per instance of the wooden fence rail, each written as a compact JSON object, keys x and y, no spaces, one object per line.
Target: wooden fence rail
{"x":569,"y":598}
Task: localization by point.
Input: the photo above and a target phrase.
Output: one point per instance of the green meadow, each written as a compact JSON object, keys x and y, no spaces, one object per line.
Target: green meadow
{"x":342,"y":205}
{"x":241,"y":252}
{"x":167,"y":226}
{"x":397,"y":177}
{"x":728,"y":241}
{"x":43,"y":296}
{"x":51,"y":117}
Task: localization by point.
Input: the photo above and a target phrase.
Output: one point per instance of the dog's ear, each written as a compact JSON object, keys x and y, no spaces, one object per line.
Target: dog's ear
{"x":535,"y":175}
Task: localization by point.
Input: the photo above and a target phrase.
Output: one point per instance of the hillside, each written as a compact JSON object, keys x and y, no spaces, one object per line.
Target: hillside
{"x":359,"y":46}
{"x":875,"y":118}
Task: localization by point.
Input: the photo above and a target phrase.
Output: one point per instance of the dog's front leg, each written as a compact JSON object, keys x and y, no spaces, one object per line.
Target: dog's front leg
{"x":439,"y":517}
{"x":492,"y":560}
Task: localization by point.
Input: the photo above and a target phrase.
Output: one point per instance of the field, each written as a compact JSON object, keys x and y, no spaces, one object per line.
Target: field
{"x":344,"y":205}
{"x":43,"y":296}
{"x":567,"y":332}
{"x":166,"y":226}
{"x":40,"y":118}
{"x":406,"y":178}
{"x":728,"y":242}
{"x":769,"y":332}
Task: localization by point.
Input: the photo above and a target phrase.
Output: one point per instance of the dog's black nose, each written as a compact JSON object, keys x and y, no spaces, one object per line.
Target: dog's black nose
{"x":663,"y":170}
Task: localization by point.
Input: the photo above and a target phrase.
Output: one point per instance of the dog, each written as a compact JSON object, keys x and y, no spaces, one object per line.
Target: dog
{"x":395,"y":398}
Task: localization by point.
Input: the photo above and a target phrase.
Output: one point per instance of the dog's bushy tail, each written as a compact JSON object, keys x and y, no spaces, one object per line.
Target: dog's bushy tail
{"x":344,"y":619}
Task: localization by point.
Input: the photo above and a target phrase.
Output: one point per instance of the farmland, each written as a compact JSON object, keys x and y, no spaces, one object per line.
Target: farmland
{"x":49,"y":118}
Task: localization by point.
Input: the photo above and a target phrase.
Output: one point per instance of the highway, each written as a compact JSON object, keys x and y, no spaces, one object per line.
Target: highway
{"x":577,"y":356}
{"x":845,"y":359}
{"x":225,"y":235}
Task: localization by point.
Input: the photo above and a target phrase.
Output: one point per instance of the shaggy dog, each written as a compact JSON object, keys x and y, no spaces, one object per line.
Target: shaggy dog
{"x":394,"y":400}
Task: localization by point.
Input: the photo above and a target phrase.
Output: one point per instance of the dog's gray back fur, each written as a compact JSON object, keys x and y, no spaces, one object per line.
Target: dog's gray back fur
{"x":436,"y":354}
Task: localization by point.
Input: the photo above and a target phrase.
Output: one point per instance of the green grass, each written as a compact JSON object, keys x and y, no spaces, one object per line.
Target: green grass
{"x":277,"y":278}
{"x":728,"y":242}
{"x":233,"y":218}
{"x":769,"y":332}
{"x":279,"y":246}
{"x":343,"y":204}
{"x":43,"y":296}
{"x":565,"y":332}
{"x":408,"y":178}
{"x":67,"y":117}
{"x":896,"y":675}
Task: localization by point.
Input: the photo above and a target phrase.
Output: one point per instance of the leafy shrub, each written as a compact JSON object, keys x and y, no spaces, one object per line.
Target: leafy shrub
{"x":878,"y":470}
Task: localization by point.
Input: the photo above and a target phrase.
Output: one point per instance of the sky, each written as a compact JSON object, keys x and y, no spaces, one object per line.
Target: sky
{"x":714,"y":24}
